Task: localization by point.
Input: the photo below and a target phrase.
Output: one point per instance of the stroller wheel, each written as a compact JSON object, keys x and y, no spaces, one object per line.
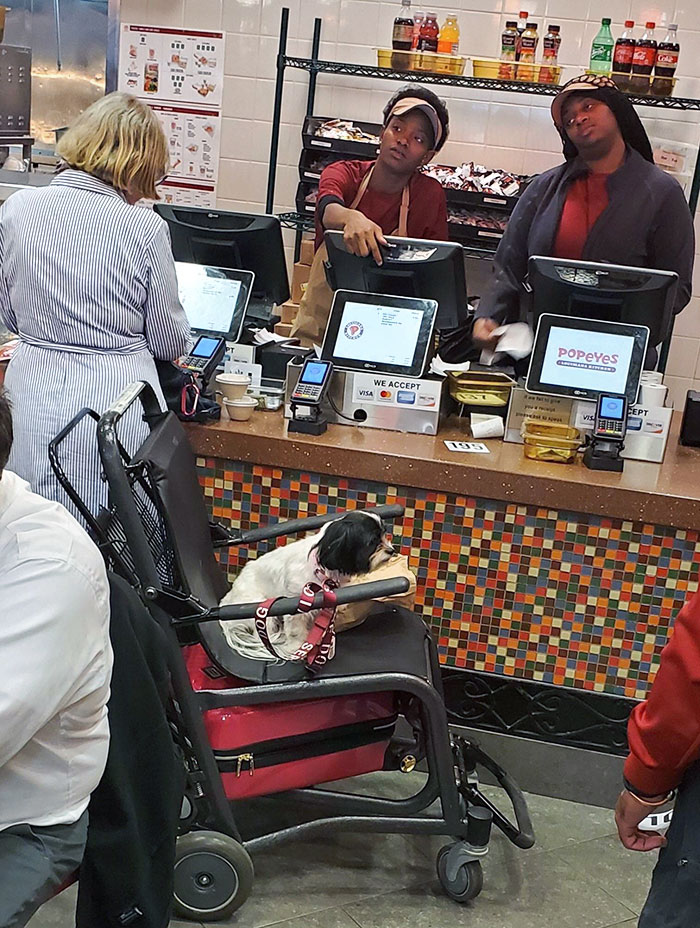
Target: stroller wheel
{"x":213,"y":876}
{"x":468,"y":882}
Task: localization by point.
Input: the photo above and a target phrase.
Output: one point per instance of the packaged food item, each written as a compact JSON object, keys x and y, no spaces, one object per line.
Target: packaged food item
{"x":666,"y":63}
{"x":402,"y":36}
{"x":448,"y":40}
{"x":509,"y":45}
{"x":549,"y":71}
{"x":602,"y":49}
{"x":429,"y":32}
{"x":528,"y":51}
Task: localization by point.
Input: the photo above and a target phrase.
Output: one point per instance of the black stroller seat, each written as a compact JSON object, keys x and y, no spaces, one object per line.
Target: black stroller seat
{"x":248,"y":727}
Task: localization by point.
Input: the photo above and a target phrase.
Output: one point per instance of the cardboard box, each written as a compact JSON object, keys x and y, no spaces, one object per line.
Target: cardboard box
{"x":306,"y":255}
{"x":300,"y":277}
{"x":288,"y":311}
{"x":283,"y":328}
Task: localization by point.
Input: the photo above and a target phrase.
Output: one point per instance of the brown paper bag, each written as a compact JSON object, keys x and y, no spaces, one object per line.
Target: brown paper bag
{"x":352,"y":614}
{"x":315,"y":306}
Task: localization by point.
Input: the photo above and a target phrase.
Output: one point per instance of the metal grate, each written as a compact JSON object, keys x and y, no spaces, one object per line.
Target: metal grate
{"x":316,"y":66}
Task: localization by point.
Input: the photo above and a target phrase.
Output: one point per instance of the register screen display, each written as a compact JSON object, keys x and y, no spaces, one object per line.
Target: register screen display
{"x":209,"y":301}
{"x":205,"y":347}
{"x":612,"y":407}
{"x":378,"y":334}
{"x":587,"y":360}
{"x":314,"y":372}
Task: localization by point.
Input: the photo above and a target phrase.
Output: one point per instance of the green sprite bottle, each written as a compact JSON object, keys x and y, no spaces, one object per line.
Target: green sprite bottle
{"x":602,"y":50}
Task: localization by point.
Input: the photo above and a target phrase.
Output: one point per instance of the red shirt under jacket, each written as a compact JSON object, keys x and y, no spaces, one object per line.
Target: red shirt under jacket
{"x":427,"y":213}
{"x":585,"y":201}
{"x":664,"y":731}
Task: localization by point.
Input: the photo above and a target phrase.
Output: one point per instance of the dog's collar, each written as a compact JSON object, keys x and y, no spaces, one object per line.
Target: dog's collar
{"x":330,"y":578}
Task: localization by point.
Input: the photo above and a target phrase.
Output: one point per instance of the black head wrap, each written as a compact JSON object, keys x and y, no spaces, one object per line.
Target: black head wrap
{"x":603,"y":89}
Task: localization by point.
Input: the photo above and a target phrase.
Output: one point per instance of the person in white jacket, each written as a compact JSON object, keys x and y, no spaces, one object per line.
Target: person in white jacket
{"x":55,"y":669}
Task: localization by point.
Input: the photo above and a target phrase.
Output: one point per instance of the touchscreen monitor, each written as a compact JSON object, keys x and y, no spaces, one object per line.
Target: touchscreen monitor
{"x":586,"y":357}
{"x":371,"y":331}
{"x":214,"y":298}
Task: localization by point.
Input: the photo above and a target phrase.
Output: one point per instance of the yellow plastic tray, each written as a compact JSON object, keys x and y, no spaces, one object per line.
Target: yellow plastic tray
{"x":538,"y":428}
{"x":430,"y":62}
{"x":495,"y":69}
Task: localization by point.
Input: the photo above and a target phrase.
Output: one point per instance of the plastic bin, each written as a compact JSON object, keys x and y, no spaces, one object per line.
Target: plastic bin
{"x":497,"y":70}
{"x":430,"y":62}
{"x":546,"y":441}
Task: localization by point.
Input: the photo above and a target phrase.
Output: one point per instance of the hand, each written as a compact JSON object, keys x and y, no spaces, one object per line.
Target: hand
{"x":629,"y":812}
{"x":362,"y":236}
{"x":482,"y":333}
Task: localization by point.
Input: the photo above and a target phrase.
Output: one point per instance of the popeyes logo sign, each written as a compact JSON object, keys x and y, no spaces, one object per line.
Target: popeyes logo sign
{"x":587,"y":360}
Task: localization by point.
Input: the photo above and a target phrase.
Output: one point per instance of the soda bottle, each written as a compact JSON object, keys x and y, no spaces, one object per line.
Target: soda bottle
{"x":429,"y":31}
{"x":418,"y":19}
{"x":521,"y":26}
{"x":448,"y":40}
{"x":624,"y":49}
{"x":509,"y":42}
{"x":602,"y":50}
{"x":528,"y":51}
{"x":402,"y":36}
{"x":666,"y":63}
{"x":550,"y":55}
{"x":643,"y":60}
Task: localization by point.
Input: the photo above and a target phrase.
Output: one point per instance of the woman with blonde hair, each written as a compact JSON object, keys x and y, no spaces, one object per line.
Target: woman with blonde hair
{"x":87,"y":281}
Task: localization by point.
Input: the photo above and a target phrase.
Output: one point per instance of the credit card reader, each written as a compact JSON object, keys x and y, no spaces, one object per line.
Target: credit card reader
{"x":307,"y":396}
{"x":607,"y":440}
{"x":206,"y":355}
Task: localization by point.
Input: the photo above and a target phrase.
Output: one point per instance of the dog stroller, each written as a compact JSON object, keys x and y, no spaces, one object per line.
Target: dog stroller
{"x":251,"y":728}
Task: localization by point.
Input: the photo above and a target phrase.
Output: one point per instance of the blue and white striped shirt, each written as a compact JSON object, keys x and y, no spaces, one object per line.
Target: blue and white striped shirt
{"x":82,"y":269}
{"x":88,"y":283}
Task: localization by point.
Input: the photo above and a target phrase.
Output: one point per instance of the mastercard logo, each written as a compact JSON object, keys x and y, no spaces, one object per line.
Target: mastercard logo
{"x":385,"y":395}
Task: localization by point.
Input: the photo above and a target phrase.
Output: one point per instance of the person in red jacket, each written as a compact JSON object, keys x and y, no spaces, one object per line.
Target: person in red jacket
{"x":664,"y":742}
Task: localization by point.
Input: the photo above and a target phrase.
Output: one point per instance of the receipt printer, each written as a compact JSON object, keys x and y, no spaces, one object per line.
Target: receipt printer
{"x":275,"y":356}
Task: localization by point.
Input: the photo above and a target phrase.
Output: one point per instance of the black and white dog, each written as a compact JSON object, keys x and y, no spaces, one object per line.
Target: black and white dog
{"x":355,"y":544}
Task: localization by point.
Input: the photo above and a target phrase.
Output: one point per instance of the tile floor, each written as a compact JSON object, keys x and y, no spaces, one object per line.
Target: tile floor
{"x":577,"y":876}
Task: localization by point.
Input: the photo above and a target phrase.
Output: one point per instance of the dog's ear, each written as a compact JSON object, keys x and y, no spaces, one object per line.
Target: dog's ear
{"x":348,"y":544}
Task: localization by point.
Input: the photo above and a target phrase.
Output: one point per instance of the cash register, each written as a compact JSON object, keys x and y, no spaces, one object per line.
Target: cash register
{"x":378,"y":348}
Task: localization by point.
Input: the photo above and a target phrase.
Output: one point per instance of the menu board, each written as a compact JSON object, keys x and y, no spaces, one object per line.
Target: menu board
{"x":180,"y":74}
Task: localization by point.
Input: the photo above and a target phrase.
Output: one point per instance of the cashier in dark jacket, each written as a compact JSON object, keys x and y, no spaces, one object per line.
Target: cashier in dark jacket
{"x":608,"y":202}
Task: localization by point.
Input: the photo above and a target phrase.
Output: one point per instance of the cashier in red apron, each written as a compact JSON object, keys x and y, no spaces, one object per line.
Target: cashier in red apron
{"x":368,"y":200}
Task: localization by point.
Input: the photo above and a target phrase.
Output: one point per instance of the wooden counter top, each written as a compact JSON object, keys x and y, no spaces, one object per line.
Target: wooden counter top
{"x":664,"y":494}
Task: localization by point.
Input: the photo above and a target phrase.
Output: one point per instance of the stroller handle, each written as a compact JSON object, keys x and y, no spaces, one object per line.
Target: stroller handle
{"x":290,"y":605}
{"x":294,"y":526}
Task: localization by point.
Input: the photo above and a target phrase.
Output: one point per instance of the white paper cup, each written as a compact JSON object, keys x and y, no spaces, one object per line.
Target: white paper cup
{"x":241,"y":408}
{"x":653,"y":394}
{"x":651,"y":377}
{"x":232,"y":386}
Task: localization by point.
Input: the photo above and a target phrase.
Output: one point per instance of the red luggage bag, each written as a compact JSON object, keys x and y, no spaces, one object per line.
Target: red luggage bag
{"x":274,"y":747}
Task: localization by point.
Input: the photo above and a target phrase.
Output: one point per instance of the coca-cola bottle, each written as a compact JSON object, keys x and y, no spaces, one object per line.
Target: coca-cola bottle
{"x":666,"y":63}
{"x":623,"y":55}
{"x":643,"y":60}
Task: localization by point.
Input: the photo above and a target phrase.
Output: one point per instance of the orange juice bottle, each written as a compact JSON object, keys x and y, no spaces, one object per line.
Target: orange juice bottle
{"x":448,"y":40}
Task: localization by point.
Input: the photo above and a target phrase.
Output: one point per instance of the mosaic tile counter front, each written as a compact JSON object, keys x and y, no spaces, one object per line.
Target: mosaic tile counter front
{"x":533,"y":593}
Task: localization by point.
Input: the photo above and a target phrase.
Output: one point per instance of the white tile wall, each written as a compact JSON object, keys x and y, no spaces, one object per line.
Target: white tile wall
{"x":509,"y":131}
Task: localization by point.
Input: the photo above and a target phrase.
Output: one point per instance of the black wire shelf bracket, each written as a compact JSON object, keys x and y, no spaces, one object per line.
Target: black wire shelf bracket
{"x":318,"y":66}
